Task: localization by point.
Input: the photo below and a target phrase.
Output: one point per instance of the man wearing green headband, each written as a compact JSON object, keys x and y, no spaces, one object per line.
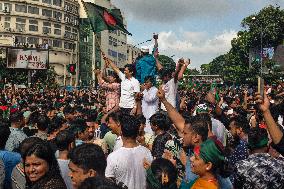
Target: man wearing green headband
{"x":259,"y":170}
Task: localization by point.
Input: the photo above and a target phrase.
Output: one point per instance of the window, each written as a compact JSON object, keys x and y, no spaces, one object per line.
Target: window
{"x":57,"y":43}
{"x":7,"y":22}
{"x":57,"y":15}
{"x":70,"y":8}
{"x":46,"y":12}
{"x":20,"y":24}
{"x":57,"y":29}
{"x":21,"y":8}
{"x":33,"y":25}
{"x":46,"y":28}
{"x":57,"y":2}
{"x":46,"y":43}
{"x":7,"y":7}
{"x":47,"y":1}
{"x":70,"y":46}
{"x":74,"y":30}
{"x":33,"y":10}
{"x":21,"y":39}
{"x":33,"y":40}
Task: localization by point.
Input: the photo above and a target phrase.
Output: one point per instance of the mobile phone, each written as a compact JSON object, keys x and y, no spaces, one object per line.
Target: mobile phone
{"x":260,"y":88}
{"x":155,"y":36}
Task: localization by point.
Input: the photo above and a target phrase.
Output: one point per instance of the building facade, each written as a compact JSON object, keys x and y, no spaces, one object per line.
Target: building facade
{"x":51,"y":24}
{"x":133,"y":52}
{"x":112,"y":43}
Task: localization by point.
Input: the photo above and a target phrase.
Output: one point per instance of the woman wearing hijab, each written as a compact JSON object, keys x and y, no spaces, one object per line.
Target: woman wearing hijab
{"x":41,"y":168}
{"x":207,"y":162}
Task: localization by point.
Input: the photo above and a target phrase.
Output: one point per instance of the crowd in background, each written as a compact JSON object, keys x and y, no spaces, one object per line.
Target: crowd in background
{"x":132,"y":133}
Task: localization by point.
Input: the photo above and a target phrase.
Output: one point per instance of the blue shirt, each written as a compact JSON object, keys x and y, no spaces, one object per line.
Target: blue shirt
{"x":10,"y":159}
{"x":146,"y":66}
{"x":240,"y":153}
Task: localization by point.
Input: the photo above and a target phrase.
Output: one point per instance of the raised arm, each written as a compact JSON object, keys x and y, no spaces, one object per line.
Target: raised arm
{"x":274,"y":131}
{"x":99,"y":76}
{"x":158,"y":64}
{"x":176,"y":118}
{"x":183,"y":68}
{"x":111,"y":64}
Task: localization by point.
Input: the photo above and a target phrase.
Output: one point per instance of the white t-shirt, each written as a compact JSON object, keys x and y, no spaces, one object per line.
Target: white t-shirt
{"x":170,"y":89}
{"x":150,"y":102}
{"x":126,"y":166}
{"x":64,"y":170}
{"x":128,"y":89}
{"x":118,"y":143}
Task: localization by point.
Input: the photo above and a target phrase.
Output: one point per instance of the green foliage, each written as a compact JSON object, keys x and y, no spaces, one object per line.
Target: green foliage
{"x":167,"y":62}
{"x":234,"y":65}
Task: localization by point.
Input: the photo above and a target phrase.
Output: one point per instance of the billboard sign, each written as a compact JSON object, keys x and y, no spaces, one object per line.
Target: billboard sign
{"x":27,"y":58}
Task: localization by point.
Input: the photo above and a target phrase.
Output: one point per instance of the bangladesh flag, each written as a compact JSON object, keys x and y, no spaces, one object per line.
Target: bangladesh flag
{"x":104,"y":19}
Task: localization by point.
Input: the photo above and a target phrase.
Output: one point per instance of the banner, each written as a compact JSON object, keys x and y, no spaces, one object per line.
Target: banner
{"x":27,"y":58}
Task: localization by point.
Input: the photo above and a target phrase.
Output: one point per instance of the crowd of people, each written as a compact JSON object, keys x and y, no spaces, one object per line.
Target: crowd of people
{"x":132,"y":133}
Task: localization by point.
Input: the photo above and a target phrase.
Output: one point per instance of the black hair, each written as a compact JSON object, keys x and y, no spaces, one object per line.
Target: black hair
{"x":92,"y":115}
{"x":68,"y":110}
{"x":27,"y":143}
{"x":55,"y":124}
{"x":114,"y":75}
{"x":78,"y":126}
{"x":4,"y":133}
{"x":165,"y":72}
{"x":199,"y":126}
{"x":161,"y":121}
{"x":42,"y":122}
{"x":129,"y":126}
{"x":16,"y":117}
{"x":43,"y":151}
{"x":149,"y":78}
{"x":89,"y":156}
{"x":131,"y":68}
{"x":255,"y":136}
{"x":115,"y":116}
{"x":64,"y":139}
{"x":141,"y":119}
{"x":162,"y":166}
{"x":205,"y":117}
{"x":98,"y":182}
{"x":241,"y":122}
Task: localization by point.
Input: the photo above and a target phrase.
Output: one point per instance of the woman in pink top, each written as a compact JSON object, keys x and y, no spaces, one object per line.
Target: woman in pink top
{"x":112,"y":87}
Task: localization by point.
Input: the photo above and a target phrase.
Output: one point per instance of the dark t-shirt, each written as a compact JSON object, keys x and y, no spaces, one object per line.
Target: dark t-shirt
{"x":159,"y":144}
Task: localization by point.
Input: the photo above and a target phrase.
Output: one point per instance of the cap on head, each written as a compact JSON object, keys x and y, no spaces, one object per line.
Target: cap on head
{"x":145,"y":49}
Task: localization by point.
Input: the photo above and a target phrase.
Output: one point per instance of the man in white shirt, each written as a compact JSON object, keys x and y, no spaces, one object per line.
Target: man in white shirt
{"x":170,"y":82}
{"x":125,"y":165}
{"x":150,"y":101}
{"x":114,"y":124}
{"x":129,"y":86}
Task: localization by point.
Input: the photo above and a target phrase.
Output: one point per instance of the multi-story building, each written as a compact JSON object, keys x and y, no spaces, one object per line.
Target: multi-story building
{"x":52,"y":24}
{"x":112,"y":43}
{"x":132,"y":53}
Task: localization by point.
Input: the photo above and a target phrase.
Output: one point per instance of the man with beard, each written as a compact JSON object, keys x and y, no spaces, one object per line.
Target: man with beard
{"x":239,"y":128}
{"x":194,"y":131}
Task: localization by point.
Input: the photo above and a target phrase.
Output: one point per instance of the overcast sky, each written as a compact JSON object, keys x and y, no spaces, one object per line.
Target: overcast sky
{"x":196,"y":29}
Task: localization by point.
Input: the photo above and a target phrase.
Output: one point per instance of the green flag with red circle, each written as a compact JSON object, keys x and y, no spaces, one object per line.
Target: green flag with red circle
{"x":104,"y":19}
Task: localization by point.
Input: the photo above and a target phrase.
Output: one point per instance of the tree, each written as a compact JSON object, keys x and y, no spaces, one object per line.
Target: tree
{"x":167,"y":62}
{"x":234,"y":65}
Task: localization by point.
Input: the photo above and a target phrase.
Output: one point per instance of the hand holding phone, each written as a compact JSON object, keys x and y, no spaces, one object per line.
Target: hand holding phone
{"x":155,"y":36}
